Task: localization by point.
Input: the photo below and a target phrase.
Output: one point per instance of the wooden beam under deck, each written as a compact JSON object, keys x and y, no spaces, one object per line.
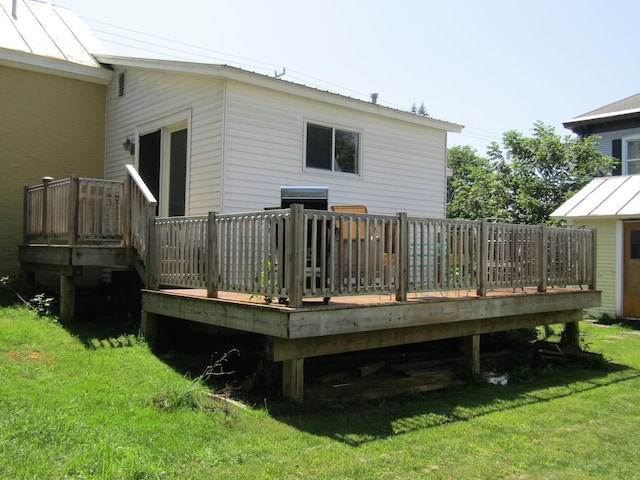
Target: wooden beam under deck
{"x":349,"y":315}
{"x":47,"y":257}
{"x":280,"y":349}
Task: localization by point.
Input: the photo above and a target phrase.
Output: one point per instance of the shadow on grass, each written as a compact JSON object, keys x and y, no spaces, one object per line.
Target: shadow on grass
{"x":358,"y":424}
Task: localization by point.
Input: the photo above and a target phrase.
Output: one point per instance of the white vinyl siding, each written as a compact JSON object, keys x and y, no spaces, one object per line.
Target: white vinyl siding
{"x":607,"y":269}
{"x":402,"y":165}
{"x":152,"y":96}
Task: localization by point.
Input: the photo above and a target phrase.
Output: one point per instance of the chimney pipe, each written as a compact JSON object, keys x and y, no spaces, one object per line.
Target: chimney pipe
{"x":374,"y":98}
{"x":14,"y":11}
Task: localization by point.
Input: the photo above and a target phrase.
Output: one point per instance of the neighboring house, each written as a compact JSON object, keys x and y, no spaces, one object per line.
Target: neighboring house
{"x":618,"y":125}
{"x":52,"y":93}
{"x":218,"y":138}
{"x":611,"y":205}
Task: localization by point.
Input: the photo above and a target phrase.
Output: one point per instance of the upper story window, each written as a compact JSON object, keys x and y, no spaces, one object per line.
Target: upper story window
{"x":632,"y":154}
{"x":332,"y":149}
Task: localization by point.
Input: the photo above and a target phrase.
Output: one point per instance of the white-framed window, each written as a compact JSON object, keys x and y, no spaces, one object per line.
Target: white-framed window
{"x":631,"y":152}
{"x":332,"y":148}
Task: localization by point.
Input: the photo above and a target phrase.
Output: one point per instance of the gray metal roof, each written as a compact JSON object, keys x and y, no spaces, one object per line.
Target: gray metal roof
{"x":48,"y":31}
{"x":617,"y":196}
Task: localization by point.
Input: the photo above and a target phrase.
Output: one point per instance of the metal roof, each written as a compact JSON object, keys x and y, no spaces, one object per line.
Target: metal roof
{"x":47,"y":30}
{"x":617,"y":196}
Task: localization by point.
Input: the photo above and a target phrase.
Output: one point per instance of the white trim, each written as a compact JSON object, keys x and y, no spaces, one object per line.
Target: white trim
{"x":333,"y":126}
{"x":168,"y":124}
{"x":223,"y":161}
{"x":54,"y":66}
{"x":619,"y":273}
{"x":625,"y":160}
{"x":226,"y":72}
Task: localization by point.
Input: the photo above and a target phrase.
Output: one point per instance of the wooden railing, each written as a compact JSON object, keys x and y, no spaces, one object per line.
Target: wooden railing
{"x":139,"y":223}
{"x":73,"y":211}
{"x":296,"y":253}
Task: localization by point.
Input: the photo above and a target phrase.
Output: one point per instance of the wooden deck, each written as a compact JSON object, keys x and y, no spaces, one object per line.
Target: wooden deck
{"x":389,"y":280}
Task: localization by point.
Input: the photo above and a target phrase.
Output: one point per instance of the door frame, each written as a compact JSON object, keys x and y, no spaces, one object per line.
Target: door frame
{"x":167,"y":125}
{"x":623,"y":261}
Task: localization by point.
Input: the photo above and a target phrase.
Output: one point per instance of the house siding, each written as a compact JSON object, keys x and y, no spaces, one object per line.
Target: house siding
{"x":607,"y":268}
{"x":608,"y":137}
{"x":150,"y":97}
{"x":51,"y":126}
{"x":402,"y":164}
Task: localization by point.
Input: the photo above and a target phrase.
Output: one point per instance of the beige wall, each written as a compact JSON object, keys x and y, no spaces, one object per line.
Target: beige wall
{"x":49,"y":125}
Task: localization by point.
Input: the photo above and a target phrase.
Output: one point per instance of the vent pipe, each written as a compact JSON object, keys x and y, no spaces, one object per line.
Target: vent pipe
{"x":374,"y":98}
{"x":14,"y":11}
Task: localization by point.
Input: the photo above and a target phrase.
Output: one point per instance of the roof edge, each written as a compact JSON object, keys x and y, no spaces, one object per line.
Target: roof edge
{"x":228,"y":72}
{"x":603,"y":116}
{"x":54,"y":66}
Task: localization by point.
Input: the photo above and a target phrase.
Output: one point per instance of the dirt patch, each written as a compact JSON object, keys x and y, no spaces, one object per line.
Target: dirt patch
{"x":28,"y":356}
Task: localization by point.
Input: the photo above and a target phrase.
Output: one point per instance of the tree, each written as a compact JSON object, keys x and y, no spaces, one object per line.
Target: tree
{"x":421,"y":110}
{"x":540,"y":173}
{"x":472,"y":189}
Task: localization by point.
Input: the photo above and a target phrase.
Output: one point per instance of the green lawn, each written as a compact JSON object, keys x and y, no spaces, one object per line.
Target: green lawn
{"x":70,"y":411}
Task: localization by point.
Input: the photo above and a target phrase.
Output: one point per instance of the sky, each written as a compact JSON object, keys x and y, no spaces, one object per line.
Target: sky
{"x":490,"y":65}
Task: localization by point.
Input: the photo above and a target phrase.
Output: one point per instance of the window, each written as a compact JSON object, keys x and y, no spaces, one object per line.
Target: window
{"x":632,"y":152}
{"x":332,"y":149}
{"x":635,"y":245}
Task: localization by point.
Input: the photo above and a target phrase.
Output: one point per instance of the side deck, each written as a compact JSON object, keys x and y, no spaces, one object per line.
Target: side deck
{"x":313,"y":282}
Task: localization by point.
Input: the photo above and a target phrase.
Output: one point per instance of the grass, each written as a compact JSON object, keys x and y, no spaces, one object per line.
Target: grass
{"x":70,"y":410}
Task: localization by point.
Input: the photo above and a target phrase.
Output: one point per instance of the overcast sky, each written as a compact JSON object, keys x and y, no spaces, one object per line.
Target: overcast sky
{"x":492,"y":66}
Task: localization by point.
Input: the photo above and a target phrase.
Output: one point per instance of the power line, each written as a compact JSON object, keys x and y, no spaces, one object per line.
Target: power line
{"x":469,"y":131}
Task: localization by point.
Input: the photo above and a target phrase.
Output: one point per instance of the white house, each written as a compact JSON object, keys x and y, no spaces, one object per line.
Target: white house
{"x":218,"y":138}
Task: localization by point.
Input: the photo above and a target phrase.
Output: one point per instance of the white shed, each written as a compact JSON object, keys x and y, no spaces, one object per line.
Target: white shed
{"x":611,"y":205}
{"x":218,"y":138}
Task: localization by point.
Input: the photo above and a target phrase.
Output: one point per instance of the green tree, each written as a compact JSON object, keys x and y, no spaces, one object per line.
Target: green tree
{"x":539,"y":174}
{"x":472,"y":190}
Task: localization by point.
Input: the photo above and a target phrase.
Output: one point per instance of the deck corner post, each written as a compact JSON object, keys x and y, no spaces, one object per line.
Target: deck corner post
{"x":150,"y":262}
{"x":127,"y":205}
{"x":67,"y":298}
{"x":25,"y":217}
{"x":544,"y":259}
{"x":212,"y":256}
{"x":594,"y":259}
{"x":45,"y":206}
{"x":472,"y":355}
{"x":295,"y":255}
{"x":72,"y":216}
{"x":483,"y":258}
{"x":403,"y":258}
{"x":293,"y":379}
{"x":149,"y":326}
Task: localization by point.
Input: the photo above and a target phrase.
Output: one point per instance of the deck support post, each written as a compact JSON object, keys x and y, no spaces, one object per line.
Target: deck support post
{"x":212,"y":256}
{"x":296,"y":255}
{"x":572,"y":333}
{"x":594,"y":259}
{"x":149,"y":326}
{"x":293,"y":379}
{"x":403,"y":259}
{"x":67,"y":298}
{"x":472,"y":355}
{"x":544,"y":258}
{"x":483,"y":261}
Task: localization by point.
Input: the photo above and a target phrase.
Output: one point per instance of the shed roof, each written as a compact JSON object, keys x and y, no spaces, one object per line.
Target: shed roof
{"x":617,"y":196}
{"x":48,"y":31}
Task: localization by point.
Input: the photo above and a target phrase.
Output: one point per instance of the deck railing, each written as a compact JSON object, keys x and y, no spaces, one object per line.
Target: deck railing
{"x":297,"y":253}
{"x":73,"y":211}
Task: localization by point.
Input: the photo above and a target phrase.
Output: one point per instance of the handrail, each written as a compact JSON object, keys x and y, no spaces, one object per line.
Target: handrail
{"x":299,"y":253}
{"x":137,"y":179}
